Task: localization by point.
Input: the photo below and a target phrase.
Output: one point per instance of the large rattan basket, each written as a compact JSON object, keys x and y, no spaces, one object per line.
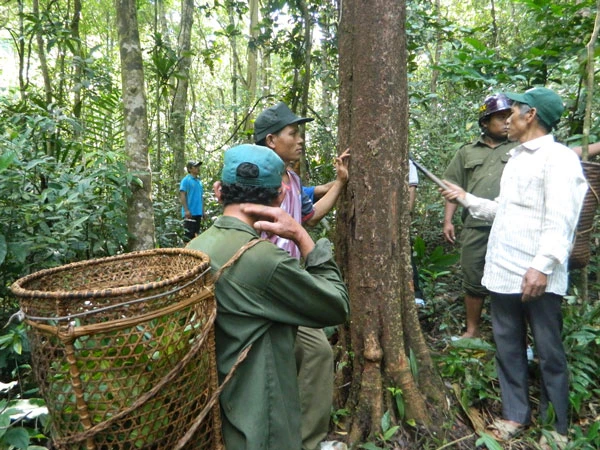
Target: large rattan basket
{"x":580,"y":255}
{"x":123,"y":350}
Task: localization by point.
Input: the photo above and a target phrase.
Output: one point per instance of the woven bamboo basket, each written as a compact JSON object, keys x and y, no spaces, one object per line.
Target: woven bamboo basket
{"x":580,"y":254}
{"x":123,"y":351}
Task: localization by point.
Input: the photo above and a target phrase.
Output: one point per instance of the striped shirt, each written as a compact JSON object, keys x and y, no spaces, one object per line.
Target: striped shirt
{"x":541,"y":195}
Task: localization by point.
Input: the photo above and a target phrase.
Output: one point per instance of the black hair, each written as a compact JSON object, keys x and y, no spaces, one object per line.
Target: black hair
{"x":263,"y":141}
{"x":239,"y":193}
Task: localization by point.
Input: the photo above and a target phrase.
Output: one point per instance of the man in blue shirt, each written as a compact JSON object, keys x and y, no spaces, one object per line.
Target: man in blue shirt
{"x":190,"y":196}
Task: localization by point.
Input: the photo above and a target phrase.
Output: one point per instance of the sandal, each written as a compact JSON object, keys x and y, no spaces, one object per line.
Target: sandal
{"x":504,"y":430}
{"x":557,"y":441}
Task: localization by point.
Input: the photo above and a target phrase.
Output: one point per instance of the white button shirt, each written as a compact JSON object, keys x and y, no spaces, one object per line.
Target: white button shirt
{"x":536,"y":214}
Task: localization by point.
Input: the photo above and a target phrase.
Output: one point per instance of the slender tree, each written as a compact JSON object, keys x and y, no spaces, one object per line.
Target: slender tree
{"x":140,"y":213}
{"x":178,"y":112}
{"x":373,"y":223}
{"x":252,"y":67}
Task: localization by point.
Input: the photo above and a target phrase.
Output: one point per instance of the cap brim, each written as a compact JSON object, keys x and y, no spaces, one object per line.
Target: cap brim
{"x":516,"y":97}
{"x":301,"y":120}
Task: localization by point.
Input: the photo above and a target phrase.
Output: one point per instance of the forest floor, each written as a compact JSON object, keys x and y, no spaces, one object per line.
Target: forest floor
{"x":468,"y":369}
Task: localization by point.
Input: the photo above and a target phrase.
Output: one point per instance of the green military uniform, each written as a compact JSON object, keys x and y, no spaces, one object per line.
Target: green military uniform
{"x":261,"y":300}
{"x":477,"y":168}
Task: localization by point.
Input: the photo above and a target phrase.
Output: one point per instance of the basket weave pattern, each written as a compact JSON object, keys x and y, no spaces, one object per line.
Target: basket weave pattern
{"x":123,"y":350}
{"x":580,"y":254}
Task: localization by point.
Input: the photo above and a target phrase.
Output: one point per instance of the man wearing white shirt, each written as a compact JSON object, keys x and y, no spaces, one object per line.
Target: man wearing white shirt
{"x":541,"y":194}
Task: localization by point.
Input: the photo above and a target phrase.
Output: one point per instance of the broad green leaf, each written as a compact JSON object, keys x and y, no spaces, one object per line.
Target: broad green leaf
{"x":370,"y":446}
{"x":6,"y":159}
{"x":390,"y":433}
{"x":386,"y":421}
{"x":489,"y":442}
{"x":17,"y":437}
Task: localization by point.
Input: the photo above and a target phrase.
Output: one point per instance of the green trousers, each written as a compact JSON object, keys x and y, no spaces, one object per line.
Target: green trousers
{"x":314,"y":359}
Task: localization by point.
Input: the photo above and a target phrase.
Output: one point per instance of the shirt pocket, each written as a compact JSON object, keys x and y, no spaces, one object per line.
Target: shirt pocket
{"x":472,"y":164}
{"x":526,"y":189}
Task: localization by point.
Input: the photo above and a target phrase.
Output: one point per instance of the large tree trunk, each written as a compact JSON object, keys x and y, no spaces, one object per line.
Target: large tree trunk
{"x":140,"y":212}
{"x":373,"y":222}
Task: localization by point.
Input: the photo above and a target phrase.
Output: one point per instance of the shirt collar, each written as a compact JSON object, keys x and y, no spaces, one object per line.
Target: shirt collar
{"x":533,"y":145}
{"x":234,"y":223}
{"x":480,"y":142}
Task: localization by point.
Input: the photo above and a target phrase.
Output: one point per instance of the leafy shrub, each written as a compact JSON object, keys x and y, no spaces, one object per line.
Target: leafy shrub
{"x":432,"y":265}
{"x":581,"y":336}
{"x":56,"y":212}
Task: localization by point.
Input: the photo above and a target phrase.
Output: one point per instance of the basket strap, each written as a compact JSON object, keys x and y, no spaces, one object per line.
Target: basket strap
{"x":197,"y":345}
{"x":236,"y":256}
{"x":594,"y":192}
{"x":242,"y":356}
{"x":211,"y":402}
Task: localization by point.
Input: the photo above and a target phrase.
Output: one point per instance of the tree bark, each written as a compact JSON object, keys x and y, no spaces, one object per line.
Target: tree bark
{"x":140,"y":212}
{"x":373,"y":223}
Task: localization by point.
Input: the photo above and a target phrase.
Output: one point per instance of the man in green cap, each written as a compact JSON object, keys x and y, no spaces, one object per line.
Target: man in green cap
{"x":277,"y":128}
{"x":262,"y":298}
{"x":535,"y":217}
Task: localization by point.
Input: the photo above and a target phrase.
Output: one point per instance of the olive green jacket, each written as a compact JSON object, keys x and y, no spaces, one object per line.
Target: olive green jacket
{"x":477,"y":168}
{"x":261,"y":300}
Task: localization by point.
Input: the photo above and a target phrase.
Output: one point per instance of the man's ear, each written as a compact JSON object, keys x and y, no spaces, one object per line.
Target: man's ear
{"x":217,"y":190}
{"x":533,"y":112}
{"x":270,"y":141}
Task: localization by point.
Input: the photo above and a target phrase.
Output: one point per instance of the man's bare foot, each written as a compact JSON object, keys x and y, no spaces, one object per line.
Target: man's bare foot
{"x":504,"y":430}
{"x":470,"y":335}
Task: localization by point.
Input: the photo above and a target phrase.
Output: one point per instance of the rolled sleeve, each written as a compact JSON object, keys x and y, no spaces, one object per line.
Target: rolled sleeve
{"x":322,"y":253}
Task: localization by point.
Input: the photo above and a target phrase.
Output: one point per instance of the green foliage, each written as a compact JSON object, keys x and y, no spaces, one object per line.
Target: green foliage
{"x":384,"y":436}
{"x":18,"y":434}
{"x":55,"y":211}
{"x":581,"y":336}
{"x":435,"y":264}
{"x":432,"y":265}
{"x":589,"y":440}
{"x":338,"y":415}
{"x":489,"y":442}
{"x":399,"y":402}
{"x":470,"y":362}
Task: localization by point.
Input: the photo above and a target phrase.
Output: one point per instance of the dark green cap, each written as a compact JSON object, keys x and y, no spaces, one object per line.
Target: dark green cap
{"x":252,"y":165}
{"x":274,"y":119}
{"x":548,"y":104}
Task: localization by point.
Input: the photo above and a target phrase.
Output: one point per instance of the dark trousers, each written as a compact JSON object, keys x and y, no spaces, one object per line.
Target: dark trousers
{"x":510,"y":317}
{"x":191,"y":227}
